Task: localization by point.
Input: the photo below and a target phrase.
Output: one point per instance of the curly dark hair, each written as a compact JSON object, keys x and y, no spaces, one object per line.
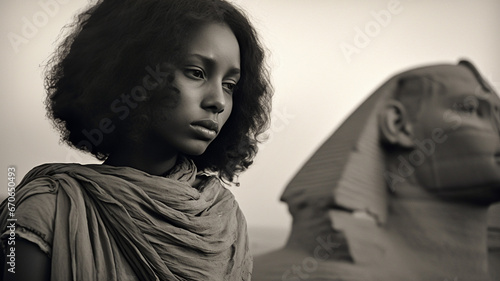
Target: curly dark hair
{"x":114,"y":44}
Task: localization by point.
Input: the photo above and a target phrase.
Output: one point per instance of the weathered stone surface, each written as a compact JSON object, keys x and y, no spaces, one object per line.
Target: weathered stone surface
{"x":401,"y":190}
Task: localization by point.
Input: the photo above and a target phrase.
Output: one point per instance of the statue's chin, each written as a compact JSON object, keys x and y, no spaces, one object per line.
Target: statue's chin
{"x":482,"y":195}
{"x":474,"y":181}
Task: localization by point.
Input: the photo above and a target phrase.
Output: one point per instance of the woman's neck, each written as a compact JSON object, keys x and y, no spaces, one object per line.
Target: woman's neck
{"x":151,"y":161}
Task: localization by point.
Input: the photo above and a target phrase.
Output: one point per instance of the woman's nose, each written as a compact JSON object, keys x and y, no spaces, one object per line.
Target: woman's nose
{"x":215,"y":99}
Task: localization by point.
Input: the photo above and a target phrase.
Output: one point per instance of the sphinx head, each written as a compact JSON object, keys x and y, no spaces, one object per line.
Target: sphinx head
{"x":440,"y":130}
{"x":434,"y":127}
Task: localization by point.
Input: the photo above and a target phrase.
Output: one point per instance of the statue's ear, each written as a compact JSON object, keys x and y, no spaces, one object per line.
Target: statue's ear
{"x":394,"y":124}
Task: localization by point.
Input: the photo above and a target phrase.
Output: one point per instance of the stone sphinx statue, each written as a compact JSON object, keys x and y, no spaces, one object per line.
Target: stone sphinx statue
{"x":402,"y":189}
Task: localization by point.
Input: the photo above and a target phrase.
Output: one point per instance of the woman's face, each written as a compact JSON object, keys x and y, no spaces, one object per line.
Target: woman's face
{"x":205,"y":80}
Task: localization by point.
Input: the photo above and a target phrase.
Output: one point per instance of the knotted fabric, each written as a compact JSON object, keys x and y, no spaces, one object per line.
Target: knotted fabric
{"x":162,"y":227}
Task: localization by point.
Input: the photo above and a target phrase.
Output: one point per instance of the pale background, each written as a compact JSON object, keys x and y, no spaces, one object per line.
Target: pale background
{"x":317,"y":85}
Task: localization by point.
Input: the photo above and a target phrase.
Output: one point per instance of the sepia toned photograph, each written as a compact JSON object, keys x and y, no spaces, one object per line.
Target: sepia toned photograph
{"x":266,"y":140}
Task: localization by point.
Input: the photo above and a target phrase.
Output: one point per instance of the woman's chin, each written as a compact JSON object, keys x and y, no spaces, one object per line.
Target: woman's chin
{"x":195,"y":151}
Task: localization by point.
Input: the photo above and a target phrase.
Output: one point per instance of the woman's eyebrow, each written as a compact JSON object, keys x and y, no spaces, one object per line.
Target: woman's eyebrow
{"x":210,"y":63}
{"x":234,"y":72}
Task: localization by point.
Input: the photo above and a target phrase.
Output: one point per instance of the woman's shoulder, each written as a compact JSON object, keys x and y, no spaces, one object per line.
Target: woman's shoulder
{"x":34,"y":218}
{"x":33,"y":203}
{"x":52,"y":169}
{"x":30,"y":210}
{"x":50,"y":177}
{"x":42,"y":179}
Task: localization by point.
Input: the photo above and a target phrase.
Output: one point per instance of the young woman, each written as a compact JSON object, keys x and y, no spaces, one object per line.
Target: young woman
{"x":172,"y":95}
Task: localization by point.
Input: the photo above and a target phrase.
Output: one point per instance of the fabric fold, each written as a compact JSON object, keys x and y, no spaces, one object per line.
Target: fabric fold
{"x":163,"y":228}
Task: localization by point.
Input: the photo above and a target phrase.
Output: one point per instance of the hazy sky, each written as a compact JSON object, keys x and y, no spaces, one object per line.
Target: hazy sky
{"x":326,"y":56}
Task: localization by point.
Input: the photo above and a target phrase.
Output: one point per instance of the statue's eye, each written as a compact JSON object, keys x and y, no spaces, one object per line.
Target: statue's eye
{"x":470,"y":108}
{"x":470,"y":105}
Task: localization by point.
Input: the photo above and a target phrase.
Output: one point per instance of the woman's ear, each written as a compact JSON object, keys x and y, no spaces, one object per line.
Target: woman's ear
{"x":395,"y":126}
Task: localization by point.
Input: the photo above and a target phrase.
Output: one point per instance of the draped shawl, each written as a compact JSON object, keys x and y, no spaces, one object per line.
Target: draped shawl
{"x":163,"y":227}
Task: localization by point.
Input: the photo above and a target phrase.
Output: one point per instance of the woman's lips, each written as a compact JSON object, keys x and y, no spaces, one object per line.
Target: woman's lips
{"x":206,"y":129}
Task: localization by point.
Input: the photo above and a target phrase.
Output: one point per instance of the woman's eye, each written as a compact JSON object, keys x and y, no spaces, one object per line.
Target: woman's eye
{"x":196,"y":73}
{"x":230,"y":87}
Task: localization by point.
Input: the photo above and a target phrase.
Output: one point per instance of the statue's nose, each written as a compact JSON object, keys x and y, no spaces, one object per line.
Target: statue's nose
{"x":496,"y":117}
